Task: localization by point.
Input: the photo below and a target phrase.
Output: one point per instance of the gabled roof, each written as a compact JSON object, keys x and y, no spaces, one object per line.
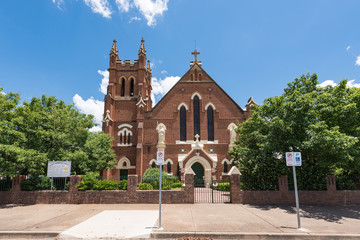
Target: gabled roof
{"x":186,"y":78}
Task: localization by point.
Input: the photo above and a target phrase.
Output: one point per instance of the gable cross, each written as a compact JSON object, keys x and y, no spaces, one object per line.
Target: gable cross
{"x":195,"y":53}
{"x":197,"y":137}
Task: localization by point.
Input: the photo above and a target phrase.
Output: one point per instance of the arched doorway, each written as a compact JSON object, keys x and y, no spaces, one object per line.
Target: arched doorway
{"x":199,"y":174}
{"x":204,"y":164}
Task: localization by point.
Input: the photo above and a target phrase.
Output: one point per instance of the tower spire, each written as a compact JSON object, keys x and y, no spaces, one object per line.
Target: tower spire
{"x":142,"y":47}
{"x":114,"y":50}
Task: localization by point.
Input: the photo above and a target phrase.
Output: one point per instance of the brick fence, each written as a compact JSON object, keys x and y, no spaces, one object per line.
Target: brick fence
{"x":282,"y":196}
{"x":74,"y":196}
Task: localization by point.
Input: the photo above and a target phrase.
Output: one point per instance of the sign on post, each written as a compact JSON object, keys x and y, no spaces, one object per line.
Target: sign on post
{"x":160,"y":157}
{"x":294,"y":159}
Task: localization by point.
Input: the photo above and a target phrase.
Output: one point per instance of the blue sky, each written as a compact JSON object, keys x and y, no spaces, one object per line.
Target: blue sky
{"x":250,"y":48}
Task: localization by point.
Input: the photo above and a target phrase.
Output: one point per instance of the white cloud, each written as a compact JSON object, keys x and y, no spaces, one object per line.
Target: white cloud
{"x":58,"y":3}
{"x":350,"y":84}
{"x":162,"y":86}
{"x":95,"y":129}
{"x":123,"y":5}
{"x":90,"y":106}
{"x":357,"y":63}
{"x":104,"y":81}
{"x":153,"y":99}
{"x":327,"y":83}
{"x":348,"y":48}
{"x":150,"y":9}
{"x":134,"y":19}
{"x":99,"y":6}
{"x":164,"y":72}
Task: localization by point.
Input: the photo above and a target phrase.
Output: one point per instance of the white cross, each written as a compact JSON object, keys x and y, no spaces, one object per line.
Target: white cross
{"x":197,"y":137}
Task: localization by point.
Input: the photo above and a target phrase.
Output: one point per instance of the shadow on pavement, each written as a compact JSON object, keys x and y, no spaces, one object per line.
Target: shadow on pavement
{"x":11,"y":205}
{"x":327,"y":213}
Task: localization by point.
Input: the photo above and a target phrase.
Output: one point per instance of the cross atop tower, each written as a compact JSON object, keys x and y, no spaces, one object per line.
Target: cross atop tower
{"x":195,"y":53}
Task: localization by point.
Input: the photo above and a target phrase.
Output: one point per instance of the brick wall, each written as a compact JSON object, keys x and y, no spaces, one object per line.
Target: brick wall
{"x":74,"y":196}
{"x":283,"y":196}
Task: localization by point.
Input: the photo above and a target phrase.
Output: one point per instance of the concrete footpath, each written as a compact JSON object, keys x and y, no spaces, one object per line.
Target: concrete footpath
{"x":139,"y":221}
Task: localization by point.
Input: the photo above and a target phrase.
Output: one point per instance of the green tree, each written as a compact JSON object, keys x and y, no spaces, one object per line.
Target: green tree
{"x":321,"y":123}
{"x":96,"y":155}
{"x":47,"y":129}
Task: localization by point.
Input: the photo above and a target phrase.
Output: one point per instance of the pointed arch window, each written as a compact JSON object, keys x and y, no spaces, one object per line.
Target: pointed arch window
{"x":153,"y":165}
{"x":168,"y":166}
{"x":196,"y":103}
{"x":122,"y":93}
{"x":210,"y":123}
{"x":183,"y":123}
{"x":132,"y":87}
{"x":225,"y":167}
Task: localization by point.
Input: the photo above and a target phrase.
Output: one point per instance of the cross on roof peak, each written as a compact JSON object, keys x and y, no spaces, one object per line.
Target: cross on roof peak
{"x":195,"y":53}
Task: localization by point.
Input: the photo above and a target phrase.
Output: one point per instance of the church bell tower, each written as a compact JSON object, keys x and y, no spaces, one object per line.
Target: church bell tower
{"x":128,"y":98}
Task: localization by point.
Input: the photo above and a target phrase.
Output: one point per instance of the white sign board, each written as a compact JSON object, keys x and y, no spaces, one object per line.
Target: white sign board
{"x":293,"y":159}
{"x":59,"y":169}
{"x":160,"y":157}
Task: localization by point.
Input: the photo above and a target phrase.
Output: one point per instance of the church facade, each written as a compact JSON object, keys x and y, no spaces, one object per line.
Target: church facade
{"x":194,"y":123}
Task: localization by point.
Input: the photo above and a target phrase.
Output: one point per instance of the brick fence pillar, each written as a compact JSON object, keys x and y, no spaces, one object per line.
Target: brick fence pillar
{"x":331,"y":183}
{"x":189,"y":185}
{"x":16,"y":183}
{"x":235,"y":189}
{"x":132,"y":183}
{"x":74,"y":181}
{"x":331,"y":190}
{"x":284,"y":188}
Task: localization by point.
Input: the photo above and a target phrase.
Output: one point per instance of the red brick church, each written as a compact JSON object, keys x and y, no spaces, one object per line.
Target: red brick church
{"x":194,"y":123}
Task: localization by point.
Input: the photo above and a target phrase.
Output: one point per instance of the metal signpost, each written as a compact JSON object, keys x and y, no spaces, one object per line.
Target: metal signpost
{"x":294,"y":159}
{"x":160,"y":161}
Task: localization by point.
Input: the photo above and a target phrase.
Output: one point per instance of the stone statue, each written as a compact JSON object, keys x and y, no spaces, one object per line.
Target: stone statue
{"x":161,"y":128}
{"x":231,"y":128}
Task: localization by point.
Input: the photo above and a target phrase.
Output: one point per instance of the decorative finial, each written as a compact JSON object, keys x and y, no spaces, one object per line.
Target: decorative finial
{"x":142,"y":47}
{"x":195,"y":53}
{"x":114,"y":50}
{"x":148,"y":64}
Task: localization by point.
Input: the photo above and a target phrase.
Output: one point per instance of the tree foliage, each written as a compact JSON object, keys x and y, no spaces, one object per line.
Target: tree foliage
{"x":321,"y":123}
{"x":47,"y":129}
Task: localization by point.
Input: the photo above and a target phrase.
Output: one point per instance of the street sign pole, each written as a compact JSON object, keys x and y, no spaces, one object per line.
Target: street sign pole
{"x":160,"y":161}
{"x":294,"y":159}
{"x":160,"y":198}
{"x":296,"y":197}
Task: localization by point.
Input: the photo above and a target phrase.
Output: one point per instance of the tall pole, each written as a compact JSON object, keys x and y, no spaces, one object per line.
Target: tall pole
{"x":296,"y":197}
{"x":160,"y":197}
